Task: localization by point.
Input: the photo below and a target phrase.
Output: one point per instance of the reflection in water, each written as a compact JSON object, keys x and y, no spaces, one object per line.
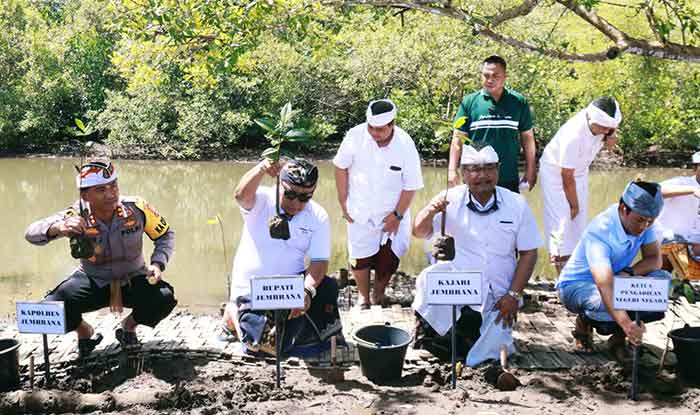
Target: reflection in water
{"x":189,"y":194}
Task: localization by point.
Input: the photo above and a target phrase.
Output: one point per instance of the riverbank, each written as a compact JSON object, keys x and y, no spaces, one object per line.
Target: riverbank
{"x":654,"y":156}
{"x":180,"y":369}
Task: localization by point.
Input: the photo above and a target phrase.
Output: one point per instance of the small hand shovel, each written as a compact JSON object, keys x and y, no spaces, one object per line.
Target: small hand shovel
{"x":336,"y":374}
{"x":506,"y":381}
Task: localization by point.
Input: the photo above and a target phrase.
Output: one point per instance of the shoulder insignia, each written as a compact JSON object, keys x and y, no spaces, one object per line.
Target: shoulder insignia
{"x":155,"y":225}
{"x":459,"y":122}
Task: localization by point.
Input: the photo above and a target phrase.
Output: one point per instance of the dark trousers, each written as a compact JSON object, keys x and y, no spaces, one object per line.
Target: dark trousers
{"x":80,"y":294}
{"x":468,"y":327}
{"x":319,"y":323}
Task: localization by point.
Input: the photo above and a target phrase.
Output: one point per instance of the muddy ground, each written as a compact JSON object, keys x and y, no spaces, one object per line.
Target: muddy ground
{"x":201,"y":386}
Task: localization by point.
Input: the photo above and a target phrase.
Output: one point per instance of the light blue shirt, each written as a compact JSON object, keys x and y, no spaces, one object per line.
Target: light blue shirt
{"x":604,"y":243}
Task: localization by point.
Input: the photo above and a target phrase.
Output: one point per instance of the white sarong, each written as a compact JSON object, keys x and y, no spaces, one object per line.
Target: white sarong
{"x":561,"y":233}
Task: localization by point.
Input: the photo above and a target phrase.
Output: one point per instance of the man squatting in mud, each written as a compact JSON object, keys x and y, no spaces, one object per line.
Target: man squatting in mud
{"x":266,"y":251}
{"x":112,"y":270}
{"x":607,"y":248}
{"x":489,"y":224}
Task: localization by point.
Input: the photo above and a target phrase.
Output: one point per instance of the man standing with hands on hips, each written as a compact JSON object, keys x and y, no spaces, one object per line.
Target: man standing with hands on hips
{"x":377,"y":173}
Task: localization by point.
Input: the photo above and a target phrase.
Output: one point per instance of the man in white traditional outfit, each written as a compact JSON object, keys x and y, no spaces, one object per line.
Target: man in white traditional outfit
{"x":489,"y":225}
{"x":377,"y":174}
{"x":679,"y":220}
{"x":564,"y":174}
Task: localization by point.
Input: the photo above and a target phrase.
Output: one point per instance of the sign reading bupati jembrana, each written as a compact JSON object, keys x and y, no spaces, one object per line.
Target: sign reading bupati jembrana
{"x":47,"y":317}
{"x":454,"y":287}
{"x":279,"y":292}
{"x":640,"y":294}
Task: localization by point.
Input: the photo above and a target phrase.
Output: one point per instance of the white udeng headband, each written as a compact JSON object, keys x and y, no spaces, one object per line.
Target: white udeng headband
{"x":471,"y":156}
{"x":696,"y":158}
{"x":601,"y":118}
{"x":382,"y":119}
{"x":94,"y":177}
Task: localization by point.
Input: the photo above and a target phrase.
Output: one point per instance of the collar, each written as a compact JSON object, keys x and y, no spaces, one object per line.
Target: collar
{"x":486,"y":95}
{"x":368,"y":136}
{"x":476,"y":207}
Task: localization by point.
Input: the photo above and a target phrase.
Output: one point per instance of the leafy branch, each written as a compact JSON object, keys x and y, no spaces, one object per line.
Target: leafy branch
{"x":282,"y":130}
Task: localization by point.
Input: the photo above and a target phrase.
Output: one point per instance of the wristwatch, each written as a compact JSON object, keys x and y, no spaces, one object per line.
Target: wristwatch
{"x":516,"y":295}
{"x":398,"y":216}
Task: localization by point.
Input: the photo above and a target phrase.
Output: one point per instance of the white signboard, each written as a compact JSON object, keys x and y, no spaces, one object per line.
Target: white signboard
{"x":454,"y":287}
{"x":277,"y":292}
{"x":640,"y":294}
{"x":41,"y":317}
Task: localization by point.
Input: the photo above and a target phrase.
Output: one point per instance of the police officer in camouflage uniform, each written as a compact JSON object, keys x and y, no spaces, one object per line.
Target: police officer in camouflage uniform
{"x":113,"y":272}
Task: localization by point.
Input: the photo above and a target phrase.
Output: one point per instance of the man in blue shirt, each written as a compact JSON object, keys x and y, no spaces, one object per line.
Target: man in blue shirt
{"x":608,"y":246}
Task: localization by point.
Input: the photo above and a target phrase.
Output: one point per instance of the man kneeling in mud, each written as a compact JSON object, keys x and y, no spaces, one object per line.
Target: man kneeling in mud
{"x":607,"y":248}
{"x":489,"y":225}
{"x":275,"y":240}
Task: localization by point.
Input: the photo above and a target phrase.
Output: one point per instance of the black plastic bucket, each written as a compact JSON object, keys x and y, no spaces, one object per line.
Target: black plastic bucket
{"x":9,"y":365}
{"x":686,"y":345}
{"x":382,"y":351}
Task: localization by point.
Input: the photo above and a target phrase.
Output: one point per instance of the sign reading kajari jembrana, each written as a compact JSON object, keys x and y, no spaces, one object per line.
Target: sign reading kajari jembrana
{"x":454,"y":287}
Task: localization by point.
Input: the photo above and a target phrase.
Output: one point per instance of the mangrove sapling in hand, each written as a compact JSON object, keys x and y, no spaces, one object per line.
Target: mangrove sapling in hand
{"x":279,"y":132}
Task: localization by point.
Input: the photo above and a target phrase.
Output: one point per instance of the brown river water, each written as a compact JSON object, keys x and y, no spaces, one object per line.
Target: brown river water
{"x":189,"y":195}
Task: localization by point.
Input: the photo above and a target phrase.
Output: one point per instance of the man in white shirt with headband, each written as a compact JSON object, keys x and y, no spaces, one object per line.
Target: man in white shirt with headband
{"x":306,"y":330}
{"x":489,"y":224}
{"x":377,"y":173}
{"x":564,"y":174}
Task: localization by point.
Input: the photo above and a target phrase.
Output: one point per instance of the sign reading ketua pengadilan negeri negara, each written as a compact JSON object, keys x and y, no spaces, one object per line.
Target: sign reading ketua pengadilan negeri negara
{"x":277,"y":292}
{"x":454,"y":287}
{"x":640,"y":293}
{"x":41,"y":317}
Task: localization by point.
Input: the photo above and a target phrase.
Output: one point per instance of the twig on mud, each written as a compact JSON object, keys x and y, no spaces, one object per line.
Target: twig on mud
{"x":347,"y":394}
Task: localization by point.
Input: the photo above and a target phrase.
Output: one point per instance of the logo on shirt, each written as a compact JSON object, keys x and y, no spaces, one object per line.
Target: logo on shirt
{"x":304,"y":230}
{"x":130,"y":230}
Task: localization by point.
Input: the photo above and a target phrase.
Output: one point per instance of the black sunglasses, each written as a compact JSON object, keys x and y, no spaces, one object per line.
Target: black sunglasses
{"x":301,"y":196}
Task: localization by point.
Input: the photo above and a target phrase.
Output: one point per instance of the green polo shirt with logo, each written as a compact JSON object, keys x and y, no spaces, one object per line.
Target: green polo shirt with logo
{"x":497,"y":124}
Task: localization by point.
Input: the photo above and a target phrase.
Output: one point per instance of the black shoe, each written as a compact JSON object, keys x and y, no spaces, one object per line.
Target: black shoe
{"x":86,"y":346}
{"x":126,"y":338}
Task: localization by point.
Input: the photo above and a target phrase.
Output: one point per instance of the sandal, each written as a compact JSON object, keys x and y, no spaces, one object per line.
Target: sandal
{"x":584,"y":342}
{"x":619,"y":350}
{"x":86,"y":346}
{"x":126,"y":338}
{"x":226,"y":335}
{"x":583,"y":336}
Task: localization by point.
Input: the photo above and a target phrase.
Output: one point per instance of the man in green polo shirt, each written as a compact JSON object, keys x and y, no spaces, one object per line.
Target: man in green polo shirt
{"x":499,"y":117}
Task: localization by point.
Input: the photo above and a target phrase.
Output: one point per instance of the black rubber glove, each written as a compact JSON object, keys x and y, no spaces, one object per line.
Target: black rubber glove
{"x":279,"y":228}
{"x":444,"y":248}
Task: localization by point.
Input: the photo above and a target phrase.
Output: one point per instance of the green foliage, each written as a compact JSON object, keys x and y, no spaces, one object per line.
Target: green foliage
{"x":185,"y":78}
{"x":281,"y":131}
